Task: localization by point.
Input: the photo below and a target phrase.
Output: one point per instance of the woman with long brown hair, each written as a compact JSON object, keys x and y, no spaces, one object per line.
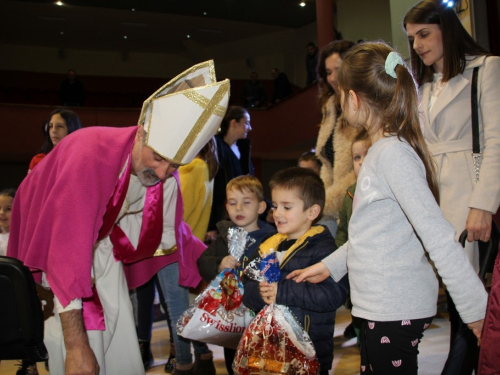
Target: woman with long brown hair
{"x":443,"y":58}
{"x":233,"y":152}
{"x":333,"y":146}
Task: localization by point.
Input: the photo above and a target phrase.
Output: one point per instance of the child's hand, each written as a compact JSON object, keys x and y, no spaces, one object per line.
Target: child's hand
{"x":228,"y":262}
{"x":313,"y":274}
{"x":268,"y":291}
{"x":211,"y":236}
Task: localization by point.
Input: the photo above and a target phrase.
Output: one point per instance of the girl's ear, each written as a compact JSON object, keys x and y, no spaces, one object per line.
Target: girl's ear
{"x":353,"y":98}
{"x":232,"y":123}
{"x":314,"y":212}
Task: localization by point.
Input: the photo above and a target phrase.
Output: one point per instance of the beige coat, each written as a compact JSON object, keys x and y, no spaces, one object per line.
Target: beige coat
{"x":451,"y":145}
{"x":339,"y":178}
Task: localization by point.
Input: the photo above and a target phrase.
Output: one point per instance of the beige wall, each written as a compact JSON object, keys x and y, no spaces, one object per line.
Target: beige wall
{"x":364,"y":19}
{"x":398,"y":12}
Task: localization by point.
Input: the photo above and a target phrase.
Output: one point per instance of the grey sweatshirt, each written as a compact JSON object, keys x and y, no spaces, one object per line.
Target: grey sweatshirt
{"x":394,"y":217}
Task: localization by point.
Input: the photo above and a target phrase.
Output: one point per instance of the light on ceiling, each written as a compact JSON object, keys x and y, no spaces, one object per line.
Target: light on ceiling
{"x":60,"y":3}
{"x":204,"y":13}
{"x":124,"y":37}
{"x":449,"y":3}
{"x":188,"y":36}
{"x":133,"y":9}
{"x":62,"y":32}
{"x":302,"y":3}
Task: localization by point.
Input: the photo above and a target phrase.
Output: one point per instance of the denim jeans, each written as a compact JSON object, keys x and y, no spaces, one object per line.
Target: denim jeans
{"x":177,"y":299}
{"x":145,"y":295}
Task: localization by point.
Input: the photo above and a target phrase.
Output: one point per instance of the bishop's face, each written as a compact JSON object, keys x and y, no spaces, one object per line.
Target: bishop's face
{"x":149,"y":167}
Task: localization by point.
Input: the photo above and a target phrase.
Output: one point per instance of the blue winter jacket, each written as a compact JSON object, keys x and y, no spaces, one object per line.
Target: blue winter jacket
{"x":314,"y":305}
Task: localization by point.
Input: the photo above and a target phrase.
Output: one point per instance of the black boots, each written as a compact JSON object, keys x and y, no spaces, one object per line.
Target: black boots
{"x":146,"y":355}
{"x":27,"y":368}
{"x":203,"y":366}
{"x":170,"y":365}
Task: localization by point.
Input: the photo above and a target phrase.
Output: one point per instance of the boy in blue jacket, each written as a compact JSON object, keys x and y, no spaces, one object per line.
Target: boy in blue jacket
{"x":298,"y":197}
{"x":245,"y":202}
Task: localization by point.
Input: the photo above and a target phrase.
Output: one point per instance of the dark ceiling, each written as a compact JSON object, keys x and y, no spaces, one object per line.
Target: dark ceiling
{"x":146,"y":25}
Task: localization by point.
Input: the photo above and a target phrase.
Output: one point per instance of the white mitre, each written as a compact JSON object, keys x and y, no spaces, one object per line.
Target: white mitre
{"x":182,"y":116}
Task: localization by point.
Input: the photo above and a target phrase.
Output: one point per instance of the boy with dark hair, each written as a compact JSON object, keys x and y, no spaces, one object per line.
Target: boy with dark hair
{"x":298,"y":197}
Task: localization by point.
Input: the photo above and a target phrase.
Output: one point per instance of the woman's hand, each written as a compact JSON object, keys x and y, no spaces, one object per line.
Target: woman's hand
{"x":313,"y":274}
{"x":268,"y":291}
{"x":478,"y":225}
{"x":477,"y":328}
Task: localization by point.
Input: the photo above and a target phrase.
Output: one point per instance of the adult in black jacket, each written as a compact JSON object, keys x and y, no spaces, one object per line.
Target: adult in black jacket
{"x":233,"y":151}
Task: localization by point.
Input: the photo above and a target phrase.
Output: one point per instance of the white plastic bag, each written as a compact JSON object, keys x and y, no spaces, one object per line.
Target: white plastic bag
{"x":217,"y":316}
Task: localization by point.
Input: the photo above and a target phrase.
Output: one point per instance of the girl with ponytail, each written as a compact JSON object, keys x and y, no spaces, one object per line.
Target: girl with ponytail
{"x":396,"y":222}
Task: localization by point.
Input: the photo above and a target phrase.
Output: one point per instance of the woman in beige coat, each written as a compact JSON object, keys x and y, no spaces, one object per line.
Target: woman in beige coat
{"x":334,"y":141}
{"x":443,"y":57}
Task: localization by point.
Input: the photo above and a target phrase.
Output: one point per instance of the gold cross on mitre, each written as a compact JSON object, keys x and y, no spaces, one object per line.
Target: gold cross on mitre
{"x":185,"y":113}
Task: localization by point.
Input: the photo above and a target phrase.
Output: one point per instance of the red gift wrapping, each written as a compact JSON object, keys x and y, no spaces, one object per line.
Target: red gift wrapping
{"x":275,"y":343}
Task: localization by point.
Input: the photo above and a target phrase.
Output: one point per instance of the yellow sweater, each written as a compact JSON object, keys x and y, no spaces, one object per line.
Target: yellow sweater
{"x":197,"y":196}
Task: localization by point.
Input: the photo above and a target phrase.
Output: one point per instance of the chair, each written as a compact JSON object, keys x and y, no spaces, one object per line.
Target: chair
{"x":21,"y":317}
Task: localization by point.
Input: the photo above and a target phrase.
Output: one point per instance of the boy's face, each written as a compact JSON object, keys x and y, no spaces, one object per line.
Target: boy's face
{"x":359,"y":151}
{"x":289,"y":214}
{"x":244,"y":208}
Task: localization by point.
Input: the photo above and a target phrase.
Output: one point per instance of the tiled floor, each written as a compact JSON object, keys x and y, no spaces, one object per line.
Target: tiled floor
{"x":433,"y":350}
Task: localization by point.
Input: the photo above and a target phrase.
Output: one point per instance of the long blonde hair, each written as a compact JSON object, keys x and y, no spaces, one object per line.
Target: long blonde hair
{"x":392,"y":102}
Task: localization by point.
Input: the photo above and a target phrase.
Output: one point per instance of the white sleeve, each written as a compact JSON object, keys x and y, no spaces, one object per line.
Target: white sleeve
{"x":336,"y":262}
{"x":405,"y":176}
{"x":76,"y":304}
{"x":169,"y":210}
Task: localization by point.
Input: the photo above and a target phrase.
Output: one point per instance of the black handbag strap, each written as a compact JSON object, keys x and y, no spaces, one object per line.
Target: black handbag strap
{"x":475,"y":118}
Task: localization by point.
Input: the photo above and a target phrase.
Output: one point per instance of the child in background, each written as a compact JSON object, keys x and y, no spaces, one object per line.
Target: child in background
{"x":245,"y":202}
{"x":396,"y":221}
{"x":6,"y":201}
{"x":359,"y":148}
{"x":298,"y":196}
{"x":310,"y":160}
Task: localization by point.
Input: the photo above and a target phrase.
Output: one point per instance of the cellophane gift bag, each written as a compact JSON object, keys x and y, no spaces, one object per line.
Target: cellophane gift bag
{"x":218,"y":316}
{"x":274,"y":343}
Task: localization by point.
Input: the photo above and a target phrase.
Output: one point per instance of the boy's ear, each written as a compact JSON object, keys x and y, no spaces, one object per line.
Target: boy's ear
{"x":314,"y":212}
{"x":262,"y":207}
